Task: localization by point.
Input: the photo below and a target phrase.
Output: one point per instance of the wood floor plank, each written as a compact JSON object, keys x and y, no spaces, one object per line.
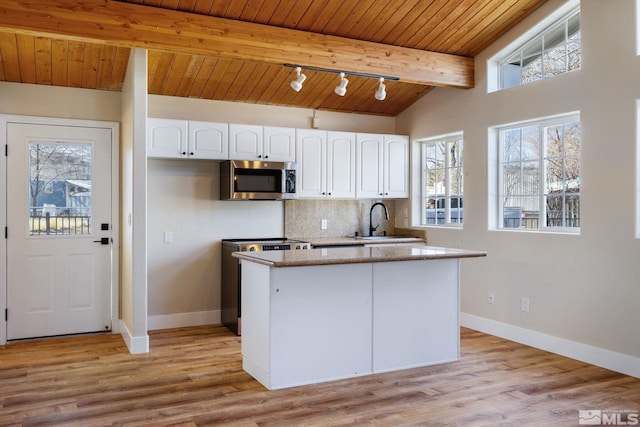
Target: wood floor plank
{"x":193,"y":377}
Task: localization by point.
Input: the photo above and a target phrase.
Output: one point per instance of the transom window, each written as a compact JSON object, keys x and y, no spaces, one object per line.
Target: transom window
{"x":443,"y":181}
{"x":539,"y":175}
{"x":554,"y":51}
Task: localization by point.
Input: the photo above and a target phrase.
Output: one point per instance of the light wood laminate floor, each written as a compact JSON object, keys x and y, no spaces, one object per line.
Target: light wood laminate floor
{"x":194,"y":377}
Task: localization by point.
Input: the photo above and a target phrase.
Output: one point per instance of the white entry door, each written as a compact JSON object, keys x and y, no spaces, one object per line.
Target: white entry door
{"x":59,"y":242}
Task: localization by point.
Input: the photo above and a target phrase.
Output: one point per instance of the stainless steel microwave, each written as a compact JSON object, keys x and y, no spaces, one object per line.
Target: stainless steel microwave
{"x":257,"y":180}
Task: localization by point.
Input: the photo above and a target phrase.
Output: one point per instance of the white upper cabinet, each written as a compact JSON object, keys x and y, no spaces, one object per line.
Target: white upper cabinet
{"x":245,"y":142}
{"x":326,"y":164}
{"x":166,"y":138}
{"x":311,"y":156}
{"x":279,"y":144}
{"x":370,"y":164}
{"x":341,"y":165}
{"x":208,"y":140}
{"x":174,"y":139}
{"x":396,"y":166}
{"x":383,"y":166}
{"x":251,"y":142}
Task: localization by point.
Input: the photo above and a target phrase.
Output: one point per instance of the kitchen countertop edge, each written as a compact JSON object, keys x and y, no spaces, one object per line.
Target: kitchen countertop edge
{"x":353,"y":241}
{"x":335,"y":256}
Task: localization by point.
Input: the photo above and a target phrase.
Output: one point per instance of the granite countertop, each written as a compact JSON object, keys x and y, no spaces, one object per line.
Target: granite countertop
{"x":354,"y":255}
{"x":352,"y":241}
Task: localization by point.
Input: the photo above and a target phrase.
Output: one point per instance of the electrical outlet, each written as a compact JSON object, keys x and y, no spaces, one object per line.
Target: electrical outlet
{"x":491,"y":297}
{"x":324,"y":224}
{"x":524,"y":305}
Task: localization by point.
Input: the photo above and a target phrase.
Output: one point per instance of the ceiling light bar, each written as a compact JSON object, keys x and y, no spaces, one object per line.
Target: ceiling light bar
{"x":348,"y":73}
{"x":341,"y":89}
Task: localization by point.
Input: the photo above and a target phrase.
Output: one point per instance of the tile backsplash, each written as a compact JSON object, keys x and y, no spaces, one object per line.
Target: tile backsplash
{"x":303,"y":218}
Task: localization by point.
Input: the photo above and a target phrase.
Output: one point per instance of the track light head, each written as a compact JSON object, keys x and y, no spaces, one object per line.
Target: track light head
{"x":341,"y":89}
{"x":297,"y":83}
{"x":381,"y":93}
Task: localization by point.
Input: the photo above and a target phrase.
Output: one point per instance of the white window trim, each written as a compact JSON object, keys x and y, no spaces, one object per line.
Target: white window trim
{"x":493,"y":63}
{"x":496,"y":179}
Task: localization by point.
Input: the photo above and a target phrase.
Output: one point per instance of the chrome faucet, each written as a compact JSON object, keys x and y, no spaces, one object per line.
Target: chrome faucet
{"x":386,"y":215}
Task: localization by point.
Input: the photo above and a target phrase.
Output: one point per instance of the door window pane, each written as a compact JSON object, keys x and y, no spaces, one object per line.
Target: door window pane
{"x":60,"y":188}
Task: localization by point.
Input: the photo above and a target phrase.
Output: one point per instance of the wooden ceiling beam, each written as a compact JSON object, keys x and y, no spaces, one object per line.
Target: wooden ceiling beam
{"x":133,"y":25}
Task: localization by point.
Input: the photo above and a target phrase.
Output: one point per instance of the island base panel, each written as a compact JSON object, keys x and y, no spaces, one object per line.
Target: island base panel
{"x":319,"y":322}
{"x":416,"y":314}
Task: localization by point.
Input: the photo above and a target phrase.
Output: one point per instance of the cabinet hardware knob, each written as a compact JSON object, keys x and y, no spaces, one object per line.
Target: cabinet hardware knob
{"x":191,"y":153}
{"x":184,"y":153}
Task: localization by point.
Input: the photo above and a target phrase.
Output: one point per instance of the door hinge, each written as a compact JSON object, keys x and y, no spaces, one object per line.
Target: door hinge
{"x":6,"y":150}
{"x":6,"y":232}
{"x":6,"y":314}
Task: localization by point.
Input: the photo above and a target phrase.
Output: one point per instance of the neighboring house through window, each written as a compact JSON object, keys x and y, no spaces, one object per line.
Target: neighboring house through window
{"x":538,"y":176}
{"x":442,"y":180}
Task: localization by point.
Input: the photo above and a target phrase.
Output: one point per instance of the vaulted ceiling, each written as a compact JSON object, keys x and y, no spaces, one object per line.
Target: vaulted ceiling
{"x":236,"y":50}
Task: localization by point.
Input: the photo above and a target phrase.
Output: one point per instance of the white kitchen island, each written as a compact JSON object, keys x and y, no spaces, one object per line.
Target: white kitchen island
{"x":310,"y":316}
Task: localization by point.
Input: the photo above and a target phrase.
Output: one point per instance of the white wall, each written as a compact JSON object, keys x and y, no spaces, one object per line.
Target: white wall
{"x":266,"y":115}
{"x":52,"y":101}
{"x":183,"y":198}
{"x":585,"y":288}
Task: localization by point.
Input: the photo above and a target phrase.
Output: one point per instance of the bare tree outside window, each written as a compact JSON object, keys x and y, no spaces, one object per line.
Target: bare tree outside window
{"x":540,"y":175}
{"x":562,"y":178}
{"x":555,"y":51}
{"x":60,"y":187}
{"x":443,"y":181}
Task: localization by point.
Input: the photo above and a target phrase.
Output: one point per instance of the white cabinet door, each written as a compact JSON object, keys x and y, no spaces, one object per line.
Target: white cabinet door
{"x":279,"y":144}
{"x":208,"y":140}
{"x":166,"y":138}
{"x":383,"y":166}
{"x":341,"y":165}
{"x":396,"y":166}
{"x":369,"y":176}
{"x":423,"y":298}
{"x":311,"y":149}
{"x":245,"y":142}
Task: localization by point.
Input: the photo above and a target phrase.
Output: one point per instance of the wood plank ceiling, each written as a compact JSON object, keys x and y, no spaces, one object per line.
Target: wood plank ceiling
{"x":456,"y":27}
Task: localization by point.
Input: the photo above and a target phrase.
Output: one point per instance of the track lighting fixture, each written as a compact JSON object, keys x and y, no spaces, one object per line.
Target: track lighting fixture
{"x":381,"y":93}
{"x":341,"y":89}
{"x":297,"y":83}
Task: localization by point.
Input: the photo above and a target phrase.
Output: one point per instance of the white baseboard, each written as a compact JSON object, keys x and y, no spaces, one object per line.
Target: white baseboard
{"x":136,"y":345}
{"x":179,"y":320}
{"x":618,"y":362}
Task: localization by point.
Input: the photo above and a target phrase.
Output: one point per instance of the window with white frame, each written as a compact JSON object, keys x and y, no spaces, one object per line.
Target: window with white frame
{"x":556,"y":50}
{"x":539,"y":175}
{"x":442,"y":180}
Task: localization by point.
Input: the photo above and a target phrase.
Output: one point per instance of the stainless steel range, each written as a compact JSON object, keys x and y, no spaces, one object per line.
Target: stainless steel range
{"x":231,"y":273}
